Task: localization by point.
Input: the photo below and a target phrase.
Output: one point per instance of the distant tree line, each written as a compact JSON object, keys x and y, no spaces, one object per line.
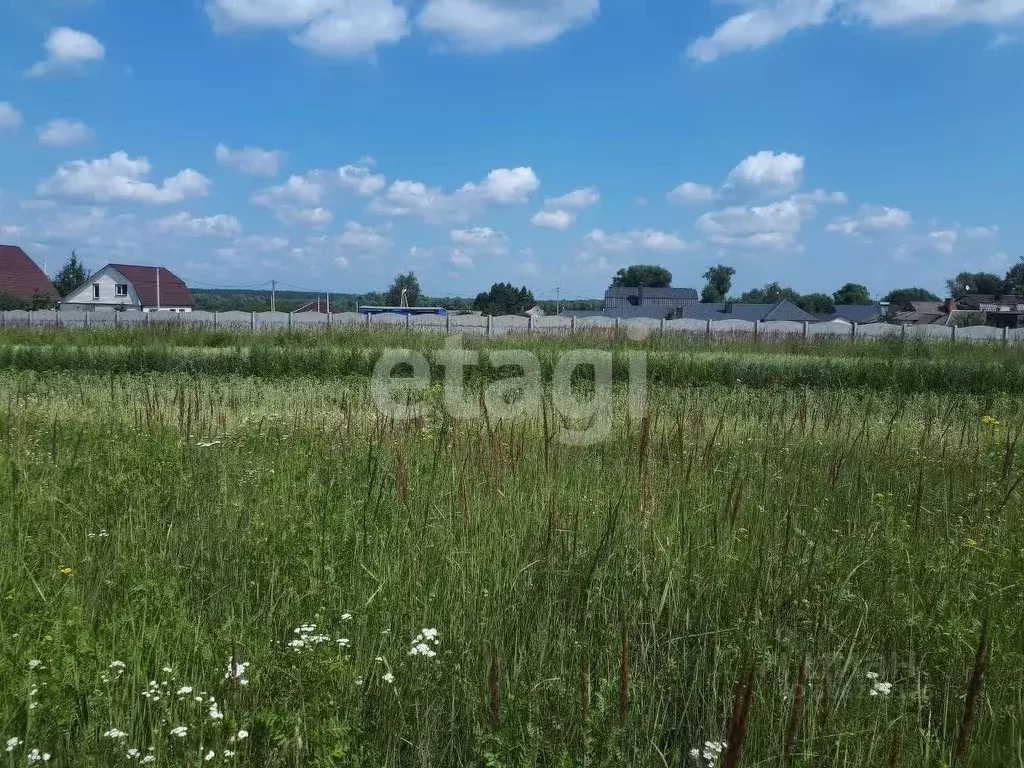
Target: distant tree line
{"x":507,"y":299}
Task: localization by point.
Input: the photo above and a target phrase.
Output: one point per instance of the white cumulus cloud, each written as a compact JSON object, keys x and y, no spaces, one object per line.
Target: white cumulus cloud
{"x":343,"y":28}
{"x":557,"y":219}
{"x":691,"y":192}
{"x":64,"y":133}
{"x":119,"y":177}
{"x":185,"y":225}
{"x":67,"y":49}
{"x":982,"y":232}
{"x":254,"y":160}
{"x":759,"y":26}
{"x":362,"y":238}
{"x":9,"y":116}
{"x":634,"y":240}
{"x":872,"y":218}
{"x":485,"y":26}
{"x":481,"y":240}
{"x":768,"y":171}
{"x":943,"y":240}
{"x":359,"y":179}
{"x":577,"y":200}
{"x":775,"y":225}
{"x":502,"y":186}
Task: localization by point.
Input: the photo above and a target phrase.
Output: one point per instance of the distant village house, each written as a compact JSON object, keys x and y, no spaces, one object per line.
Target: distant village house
{"x":131,"y":287}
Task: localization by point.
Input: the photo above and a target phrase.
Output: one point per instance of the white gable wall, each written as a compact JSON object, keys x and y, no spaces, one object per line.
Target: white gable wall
{"x":108,"y":279}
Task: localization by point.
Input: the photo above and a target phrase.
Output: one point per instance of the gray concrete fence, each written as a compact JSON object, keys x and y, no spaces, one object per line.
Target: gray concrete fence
{"x":496,"y":326}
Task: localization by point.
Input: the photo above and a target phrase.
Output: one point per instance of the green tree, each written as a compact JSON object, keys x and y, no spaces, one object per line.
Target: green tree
{"x":816,"y":303}
{"x":770,"y":294}
{"x":409,"y":284}
{"x":974,"y":282}
{"x":853,"y":293}
{"x":1014,"y":282}
{"x":504,"y":299}
{"x":719,"y":283}
{"x":903,"y":296}
{"x":642,"y":276}
{"x":8,"y":302}
{"x":71,"y":275}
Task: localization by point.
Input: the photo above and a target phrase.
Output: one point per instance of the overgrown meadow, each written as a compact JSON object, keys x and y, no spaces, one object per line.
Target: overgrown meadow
{"x":216,"y":552}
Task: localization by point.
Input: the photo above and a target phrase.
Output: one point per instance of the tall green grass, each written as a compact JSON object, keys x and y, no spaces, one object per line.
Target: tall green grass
{"x":595,"y":606}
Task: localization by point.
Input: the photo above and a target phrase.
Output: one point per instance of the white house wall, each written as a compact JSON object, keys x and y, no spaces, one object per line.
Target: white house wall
{"x":108,"y":279}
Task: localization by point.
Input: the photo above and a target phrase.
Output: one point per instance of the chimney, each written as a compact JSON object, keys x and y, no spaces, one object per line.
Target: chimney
{"x":950,"y":305}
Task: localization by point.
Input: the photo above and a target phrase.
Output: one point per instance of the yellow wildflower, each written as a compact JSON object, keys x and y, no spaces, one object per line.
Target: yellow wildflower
{"x":65,"y":569}
{"x":970,"y":542}
{"x":989,"y":421}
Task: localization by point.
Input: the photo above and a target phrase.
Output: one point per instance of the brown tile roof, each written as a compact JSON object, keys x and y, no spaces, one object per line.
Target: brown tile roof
{"x":21,"y":277}
{"x":173,"y":292}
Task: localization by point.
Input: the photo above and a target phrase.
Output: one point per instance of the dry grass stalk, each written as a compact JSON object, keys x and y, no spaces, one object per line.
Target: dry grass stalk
{"x":795,"y":714}
{"x":738,"y":726}
{"x":963,"y":740}
{"x":494,"y":684}
{"x":584,"y":691}
{"x":624,"y":680}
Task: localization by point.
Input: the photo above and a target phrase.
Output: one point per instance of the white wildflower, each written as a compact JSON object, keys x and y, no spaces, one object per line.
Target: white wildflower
{"x":229,"y":753}
{"x":185,"y":690}
{"x":114,"y":733}
{"x":35,"y":664}
{"x":133,"y":753}
{"x":236,"y":671}
{"x":881,"y":689}
{"x":346,"y":616}
{"x":35,"y":756}
{"x":343,"y":642}
{"x":215,"y":713}
{"x":180,"y":731}
{"x":13,"y":743}
{"x":872,"y":675}
{"x":147,"y":760}
{"x":388,"y":678}
{"x":209,"y":756}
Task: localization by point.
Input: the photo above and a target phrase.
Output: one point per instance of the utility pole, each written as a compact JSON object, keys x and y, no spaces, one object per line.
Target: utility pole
{"x":558,"y":298}
{"x":328,"y":303}
{"x":273,"y":294}
{"x":158,"y":289}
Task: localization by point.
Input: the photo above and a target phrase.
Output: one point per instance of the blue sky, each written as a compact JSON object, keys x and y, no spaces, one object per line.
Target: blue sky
{"x":329,"y":144}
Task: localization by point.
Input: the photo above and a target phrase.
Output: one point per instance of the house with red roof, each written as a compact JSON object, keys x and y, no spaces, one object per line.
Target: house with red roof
{"x":129,"y":286}
{"x":21,"y":278}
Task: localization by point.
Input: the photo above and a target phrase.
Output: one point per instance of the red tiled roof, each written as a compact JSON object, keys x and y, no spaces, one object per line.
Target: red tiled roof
{"x":173,"y":292}
{"x":21,"y":277}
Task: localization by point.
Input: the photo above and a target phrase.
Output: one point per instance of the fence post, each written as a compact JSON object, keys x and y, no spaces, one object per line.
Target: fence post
{"x":407,"y":319}
{"x":806,"y":326}
{"x":117,"y":319}
{"x":85,"y":320}
{"x":3,"y":318}
{"x":29,"y":316}
{"x":572,"y":324}
{"x":529,"y":323}
{"x":447,"y":323}
{"x":952,"y":335}
{"x":330,"y":319}
{"x":252,"y":321}
{"x":853,"y":331}
{"x":489,"y":319}
{"x":1006,"y":333}
{"x":290,"y":320}
{"x":616,"y":326}
{"x":147,"y":317}
{"x":903,"y":333}
{"x":757,"y":328}
{"x":661,"y":328}
{"x":707,"y":330}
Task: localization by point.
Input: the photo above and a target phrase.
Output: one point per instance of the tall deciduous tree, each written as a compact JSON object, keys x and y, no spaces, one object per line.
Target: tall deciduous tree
{"x":504,"y":299}
{"x":903,"y":296}
{"x":719,"y":283}
{"x":71,"y":275}
{"x":1014,"y":282}
{"x":770,"y":294}
{"x":816,"y":303}
{"x":642,"y":276}
{"x":974,"y":282}
{"x":410,"y":284}
{"x":853,"y":293}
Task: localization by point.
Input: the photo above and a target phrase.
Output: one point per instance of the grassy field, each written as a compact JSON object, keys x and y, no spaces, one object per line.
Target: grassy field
{"x":238,"y":564}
